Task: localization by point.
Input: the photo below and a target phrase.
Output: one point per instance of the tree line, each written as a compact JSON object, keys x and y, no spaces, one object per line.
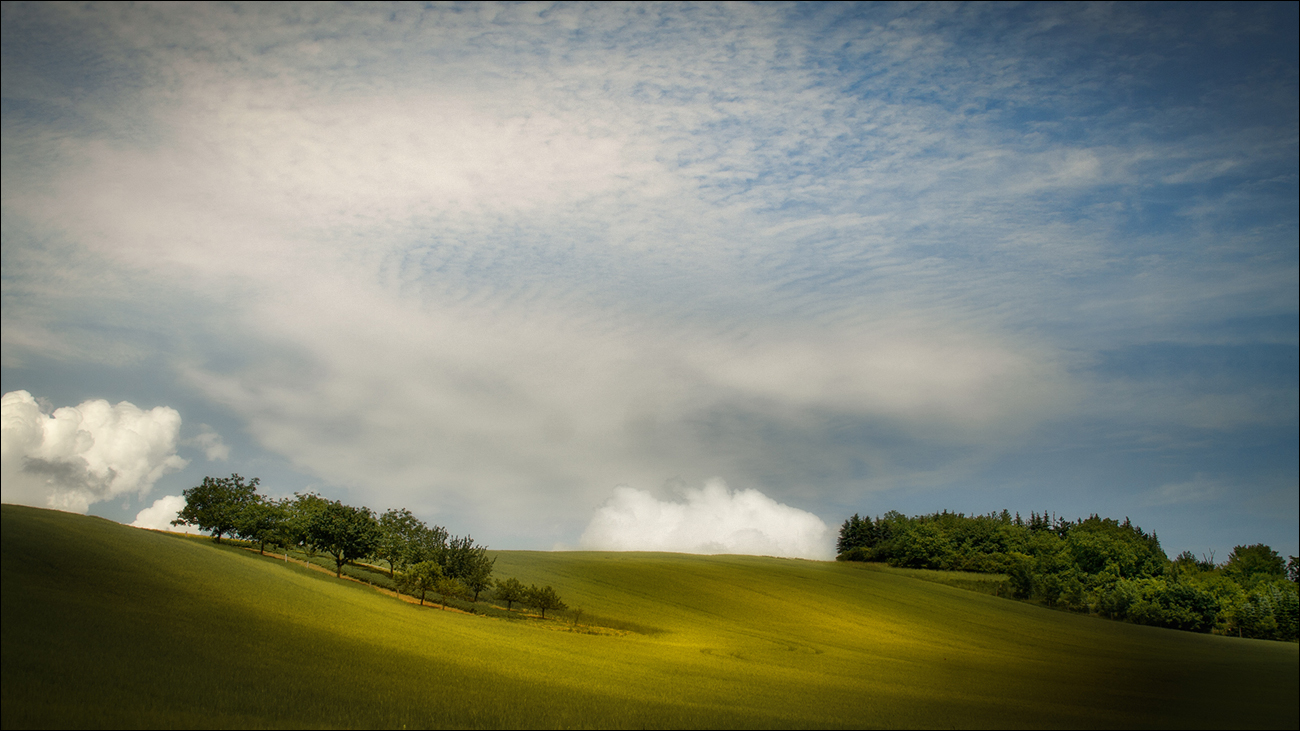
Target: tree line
{"x":420,"y":558}
{"x":1094,"y":565}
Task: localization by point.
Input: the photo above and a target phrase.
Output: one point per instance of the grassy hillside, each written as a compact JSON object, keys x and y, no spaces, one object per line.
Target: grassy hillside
{"x":105,"y":625}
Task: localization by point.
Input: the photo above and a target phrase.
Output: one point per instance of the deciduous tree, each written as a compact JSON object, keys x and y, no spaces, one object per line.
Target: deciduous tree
{"x":216,"y":504}
{"x":422,"y":577}
{"x":302,"y":511}
{"x":1249,"y":565}
{"x":450,"y":588}
{"x":478,"y":575}
{"x":344,"y":532}
{"x":262,"y":521}
{"x":544,"y":599}
{"x":399,"y":537}
{"x":510,"y":591}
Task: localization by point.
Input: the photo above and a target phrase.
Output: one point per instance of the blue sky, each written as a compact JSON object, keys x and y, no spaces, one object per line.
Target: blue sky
{"x":514,"y":266}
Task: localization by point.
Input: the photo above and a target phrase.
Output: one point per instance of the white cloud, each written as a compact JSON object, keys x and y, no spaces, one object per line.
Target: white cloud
{"x":710,"y":520}
{"x":213,"y":446}
{"x":541,"y":410}
{"x":160,"y":515}
{"x":84,"y":454}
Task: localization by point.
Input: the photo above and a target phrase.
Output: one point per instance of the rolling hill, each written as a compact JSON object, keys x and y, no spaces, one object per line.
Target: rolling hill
{"x":106,"y":625}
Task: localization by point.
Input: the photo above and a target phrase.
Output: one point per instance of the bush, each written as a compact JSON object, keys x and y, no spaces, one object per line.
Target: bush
{"x":857,"y":553}
{"x":1115,"y":598}
{"x":1270,"y":612}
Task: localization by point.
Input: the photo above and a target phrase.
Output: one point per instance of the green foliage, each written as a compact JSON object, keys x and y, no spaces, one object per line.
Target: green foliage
{"x":1116,"y":596}
{"x":921,"y":545}
{"x":1095,"y":565}
{"x":1271,"y":611}
{"x":344,"y":532}
{"x":422,"y":577}
{"x":856,"y":553}
{"x":857,"y":533}
{"x":543,"y":599}
{"x":1187,"y":562}
{"x":1250,"y":565}
{"x":264,"y":521}
{"x":430,"y":545}
{"x":467,"y":561}
{"x":478,"y":573}
{"x":303,"y":510}
{"x":400,"y":534}
{"x":216,"y":505}
{"x":450,"y":588}
{"x":1020,"y":570}
{"x":510,"y":591}
{"x":1176,"y":604}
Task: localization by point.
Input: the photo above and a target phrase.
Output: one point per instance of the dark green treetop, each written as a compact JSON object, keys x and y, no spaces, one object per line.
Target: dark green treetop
{"x":216,"y":505}
{"x":543,"y":599}
{"x":1252,"y":564}
{"x":510,"y":591}
{"x":399,"y":537}
{"x":344,"y":532}
{"x":263,"y":520}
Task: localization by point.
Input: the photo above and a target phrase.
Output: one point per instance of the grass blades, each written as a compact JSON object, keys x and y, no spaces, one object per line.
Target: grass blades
{"x":105,"y":625}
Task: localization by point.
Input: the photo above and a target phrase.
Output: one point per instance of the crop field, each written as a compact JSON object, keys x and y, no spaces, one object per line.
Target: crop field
{"x":106,"y":625}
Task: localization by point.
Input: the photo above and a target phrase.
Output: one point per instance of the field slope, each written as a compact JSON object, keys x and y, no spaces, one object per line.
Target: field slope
{"x":105,"y":625}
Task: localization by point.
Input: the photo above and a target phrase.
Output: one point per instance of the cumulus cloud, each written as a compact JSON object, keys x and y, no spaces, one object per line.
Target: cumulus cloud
{"x":160,"y":515}
{"x":84,"y":454}
{"x":714,"y":519}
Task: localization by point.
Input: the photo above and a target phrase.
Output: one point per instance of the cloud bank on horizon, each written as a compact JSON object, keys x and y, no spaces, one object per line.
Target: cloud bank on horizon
{"x":713,"y":519}
{"x":161,"y":513}
{"x":487,"y":262}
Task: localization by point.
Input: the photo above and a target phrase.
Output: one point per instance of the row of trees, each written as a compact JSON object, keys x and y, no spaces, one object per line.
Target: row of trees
{"x":420,"y":558}
{"x":1095,"y":565}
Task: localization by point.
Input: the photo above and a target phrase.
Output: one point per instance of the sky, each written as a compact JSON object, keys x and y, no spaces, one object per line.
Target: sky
{"x":698,"y":277}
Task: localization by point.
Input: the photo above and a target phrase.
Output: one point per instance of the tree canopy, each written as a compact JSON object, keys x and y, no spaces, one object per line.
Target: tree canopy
{"x":543,"y":599}
{"x":1096,"y":565}
{"x":217,"y":505}
{"x":1251,"y":564}
{"x":420,"y":558}
{"x":469,"y":562}
{"x":510,"y":591}
{"x":422,"y":577}
{"x":400,"y":534}
{"x":345,"y":532}
{"x":263,"y":521}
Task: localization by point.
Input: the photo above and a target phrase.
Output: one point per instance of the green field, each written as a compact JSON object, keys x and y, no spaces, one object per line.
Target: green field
{"x":105,"y":625}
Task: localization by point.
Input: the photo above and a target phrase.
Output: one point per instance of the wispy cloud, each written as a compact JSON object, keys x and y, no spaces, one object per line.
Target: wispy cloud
{"x":208,"y":440}
{"x":1199,"y":489}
